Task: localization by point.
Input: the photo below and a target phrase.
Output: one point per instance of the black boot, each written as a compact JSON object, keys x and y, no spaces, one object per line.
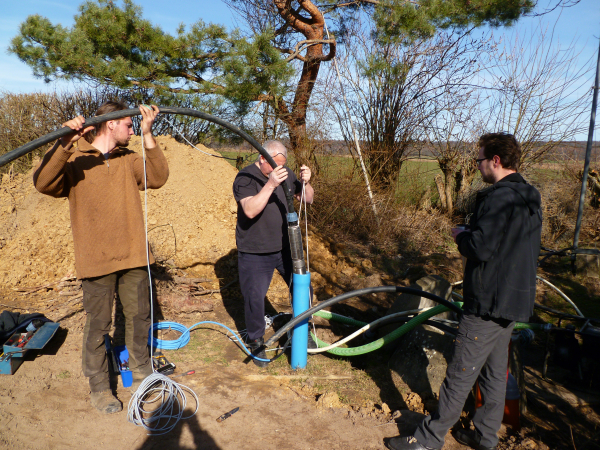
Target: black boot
{"x":257,"y":347}
{"x":471,"y":439}
{"x":404,"y":443}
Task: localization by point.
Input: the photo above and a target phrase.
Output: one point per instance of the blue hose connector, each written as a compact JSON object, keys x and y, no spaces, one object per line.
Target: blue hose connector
{"x":300,"y":303}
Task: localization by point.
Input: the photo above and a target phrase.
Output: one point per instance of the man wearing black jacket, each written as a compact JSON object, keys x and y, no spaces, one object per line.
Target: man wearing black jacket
{"x":501,"y":247}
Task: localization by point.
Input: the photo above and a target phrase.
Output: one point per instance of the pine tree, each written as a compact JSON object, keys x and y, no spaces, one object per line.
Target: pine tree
{"x":116,"y":45}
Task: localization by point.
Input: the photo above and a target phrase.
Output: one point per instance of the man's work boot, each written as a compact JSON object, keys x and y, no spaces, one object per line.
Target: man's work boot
{"x":106,"y":402}
{"x":471,"y":439}
{"x":254,"y":346}
{"x":404,"y":443}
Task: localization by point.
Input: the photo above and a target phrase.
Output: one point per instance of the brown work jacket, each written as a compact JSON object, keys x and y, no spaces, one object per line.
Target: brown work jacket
{"x":107,"y":220}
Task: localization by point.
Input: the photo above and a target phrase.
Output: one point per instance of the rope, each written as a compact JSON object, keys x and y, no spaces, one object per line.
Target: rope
{"x":303,"y":200}
{"x":156,"y":388}
{"x":147,"y":244}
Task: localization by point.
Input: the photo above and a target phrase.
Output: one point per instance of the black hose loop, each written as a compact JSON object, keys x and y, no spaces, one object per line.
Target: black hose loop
{"x":434,"y":323}
{"x":565,"y":315}
{"x":51,"y":137}
{"x":332,"y":301}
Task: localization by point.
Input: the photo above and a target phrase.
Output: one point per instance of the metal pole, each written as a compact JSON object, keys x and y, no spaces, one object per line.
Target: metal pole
{"x":586,"y":167}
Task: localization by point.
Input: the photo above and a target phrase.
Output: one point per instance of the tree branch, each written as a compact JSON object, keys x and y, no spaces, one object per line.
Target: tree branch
{"x":302,"y":45}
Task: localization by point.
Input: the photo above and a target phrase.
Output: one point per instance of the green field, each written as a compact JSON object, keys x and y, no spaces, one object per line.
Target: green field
{"x":415,"y":175}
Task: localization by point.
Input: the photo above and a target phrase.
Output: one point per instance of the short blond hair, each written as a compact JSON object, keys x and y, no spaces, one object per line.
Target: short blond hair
{"x":273,"y":147}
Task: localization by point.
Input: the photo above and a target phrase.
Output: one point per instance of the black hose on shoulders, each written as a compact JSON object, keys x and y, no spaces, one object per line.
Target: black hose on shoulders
{"x":51,"y":137}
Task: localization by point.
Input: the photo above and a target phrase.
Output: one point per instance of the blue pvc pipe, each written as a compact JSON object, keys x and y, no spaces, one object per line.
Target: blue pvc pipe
{"x":300,"y":303}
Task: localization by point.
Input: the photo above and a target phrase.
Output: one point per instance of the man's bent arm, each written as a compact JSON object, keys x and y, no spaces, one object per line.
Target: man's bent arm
{"x":157,"y":168}
{"x":255,"y":204}
{"x":481,"y":243}
{"x":49,"y":175}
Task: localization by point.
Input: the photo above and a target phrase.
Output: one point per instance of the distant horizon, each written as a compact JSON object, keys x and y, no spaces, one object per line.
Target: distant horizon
{"x":340,"y":148}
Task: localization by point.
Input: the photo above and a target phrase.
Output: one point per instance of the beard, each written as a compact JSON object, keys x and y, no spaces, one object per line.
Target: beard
{"x":487,"y":178}
{"x":123,"y":142}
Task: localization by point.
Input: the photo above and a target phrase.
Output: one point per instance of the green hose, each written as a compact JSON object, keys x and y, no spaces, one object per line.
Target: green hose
{"x":339,"y":318}
{"x":415,"y":321}
{"x":533,"y":326}
{"x":375,"y":345}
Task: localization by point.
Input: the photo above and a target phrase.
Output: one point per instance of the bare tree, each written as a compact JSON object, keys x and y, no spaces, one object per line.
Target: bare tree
{"x":537,"y":91}
{"x":452,"y":141}
{"x":397,"y":92}
{"x":533,"y":89}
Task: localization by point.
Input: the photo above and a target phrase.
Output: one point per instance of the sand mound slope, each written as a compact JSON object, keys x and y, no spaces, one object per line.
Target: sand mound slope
{"x":191,"y":220}
{"x":191,"y":228}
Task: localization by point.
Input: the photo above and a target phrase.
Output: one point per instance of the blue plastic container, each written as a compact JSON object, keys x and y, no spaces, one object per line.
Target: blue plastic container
{"x":122,"y":356}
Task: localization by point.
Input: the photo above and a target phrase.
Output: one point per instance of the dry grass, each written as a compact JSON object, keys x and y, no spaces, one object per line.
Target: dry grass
{"x":344,"y":209}
{"x":25,"y":117}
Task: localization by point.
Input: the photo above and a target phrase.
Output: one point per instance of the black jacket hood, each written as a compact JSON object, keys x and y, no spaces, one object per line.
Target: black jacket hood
{"x":517,"y":183}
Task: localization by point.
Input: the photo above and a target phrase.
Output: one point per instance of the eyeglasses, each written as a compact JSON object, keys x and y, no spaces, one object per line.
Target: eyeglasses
{"x":478,"y":161}
{"x":277,"y":154}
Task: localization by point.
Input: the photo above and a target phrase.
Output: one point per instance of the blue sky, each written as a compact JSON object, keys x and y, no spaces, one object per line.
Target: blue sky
{"x":580,"y":23}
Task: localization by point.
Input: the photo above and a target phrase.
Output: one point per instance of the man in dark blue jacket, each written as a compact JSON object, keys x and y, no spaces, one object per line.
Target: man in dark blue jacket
{"x":501,"y":247}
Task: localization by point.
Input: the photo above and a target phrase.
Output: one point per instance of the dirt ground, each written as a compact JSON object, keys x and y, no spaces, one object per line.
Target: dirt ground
{"x":45,"y":405}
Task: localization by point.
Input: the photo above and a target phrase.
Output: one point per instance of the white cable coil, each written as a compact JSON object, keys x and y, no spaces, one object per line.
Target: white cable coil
{"x":158,"y":389}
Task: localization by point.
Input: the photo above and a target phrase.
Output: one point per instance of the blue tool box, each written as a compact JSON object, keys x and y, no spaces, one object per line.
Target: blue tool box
{"x":13,"y":353}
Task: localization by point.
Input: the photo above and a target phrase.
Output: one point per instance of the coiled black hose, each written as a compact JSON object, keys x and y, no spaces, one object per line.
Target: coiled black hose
{"x":434,"y":323}
{"x":332,"y":301}
{"x":565,"y":315}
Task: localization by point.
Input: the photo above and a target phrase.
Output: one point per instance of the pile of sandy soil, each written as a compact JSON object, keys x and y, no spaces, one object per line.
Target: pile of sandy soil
{"x":191,"y":218}
{"x":191,"y":223}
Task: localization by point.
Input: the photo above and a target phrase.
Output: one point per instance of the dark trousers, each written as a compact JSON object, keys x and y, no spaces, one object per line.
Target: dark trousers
{"x":98,"y":296}
{"x":480,"y":350}
{"x":256,"y":273}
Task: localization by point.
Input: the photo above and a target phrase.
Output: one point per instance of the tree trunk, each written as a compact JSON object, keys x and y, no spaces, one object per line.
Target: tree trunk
{"x":448,"y":190}
{"x":441,"y":191}
{"x":294,"y":116}
{"x":464,"y":178}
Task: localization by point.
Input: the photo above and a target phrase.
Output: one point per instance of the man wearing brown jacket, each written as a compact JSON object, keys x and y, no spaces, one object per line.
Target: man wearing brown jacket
{"x":102,"y":181}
